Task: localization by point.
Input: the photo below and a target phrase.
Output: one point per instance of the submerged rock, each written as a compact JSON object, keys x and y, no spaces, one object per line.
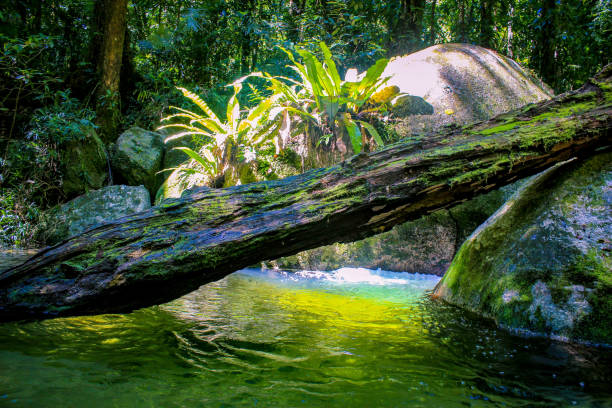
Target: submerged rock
{"x":542,"y":261}
{"x":137,"y":157}
{"x":95,"y":207}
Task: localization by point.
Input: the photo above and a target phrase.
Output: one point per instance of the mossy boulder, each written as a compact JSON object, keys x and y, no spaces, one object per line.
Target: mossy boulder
{"x":408,"y":105}
{"x":462,"y":83}
{"x":85,"y":164}
{"x":542,"y":262}
{"x":137,"y":157}
{"x":93,"y":208}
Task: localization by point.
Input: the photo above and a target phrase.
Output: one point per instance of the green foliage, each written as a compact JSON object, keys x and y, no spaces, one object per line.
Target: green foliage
{"x":61,"y":122}
{"x":17,"y":219}
{"x":321,"y":98}
{"x":33,"y":165}
{"x":221,"y":141}
{"x":25,"y":83}
{"x":331,"y":103}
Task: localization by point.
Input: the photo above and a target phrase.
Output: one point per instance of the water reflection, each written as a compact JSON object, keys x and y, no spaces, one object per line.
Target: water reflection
{"x":349,"y":338}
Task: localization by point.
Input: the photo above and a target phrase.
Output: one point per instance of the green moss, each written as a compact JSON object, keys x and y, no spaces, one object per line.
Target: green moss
{"x":594,"y":270}
{"x":511,"y":122}
{"x":498,"y":129}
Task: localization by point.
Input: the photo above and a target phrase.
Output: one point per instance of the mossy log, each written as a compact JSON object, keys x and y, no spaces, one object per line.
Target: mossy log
{"x":167,"y":251}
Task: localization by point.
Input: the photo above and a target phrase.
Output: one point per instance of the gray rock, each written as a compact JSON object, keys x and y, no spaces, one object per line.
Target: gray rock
{"x":542,"y":261}
{"x":463,"y":83}
{"x":137,"y":157}
{"x":93,"y":208}
{"x":426,"y":245}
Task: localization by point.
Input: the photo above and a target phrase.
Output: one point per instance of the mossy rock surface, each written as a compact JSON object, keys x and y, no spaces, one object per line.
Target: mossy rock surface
{"x":90,"y":209}
{"x":137,"y":157}
{"x":85,"y":164}
{"x":462,"y":83}
{"x":542,"y":261}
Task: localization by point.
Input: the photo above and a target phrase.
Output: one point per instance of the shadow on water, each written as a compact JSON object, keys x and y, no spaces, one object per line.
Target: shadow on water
{"x":351,"y":338}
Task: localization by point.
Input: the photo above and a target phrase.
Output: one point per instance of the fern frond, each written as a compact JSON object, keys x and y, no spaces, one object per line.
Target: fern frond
{"x":198,"y":101}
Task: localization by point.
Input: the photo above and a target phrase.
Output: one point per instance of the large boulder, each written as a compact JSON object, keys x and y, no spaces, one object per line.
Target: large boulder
{"x":93,"y":208}
{"x":542,"y":262}
{"x":85,"y":164}
{"x":137,"y":157}
{"x":462,"y":83}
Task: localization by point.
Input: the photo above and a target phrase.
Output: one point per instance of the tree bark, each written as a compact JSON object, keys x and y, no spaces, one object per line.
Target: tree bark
{"x":172,"y":249}
{"x":510,"y":33}
{"x":109,"y":112}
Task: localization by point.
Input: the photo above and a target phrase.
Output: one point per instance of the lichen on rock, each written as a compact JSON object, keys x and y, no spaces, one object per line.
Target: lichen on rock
{"x":542,"y":261}
{"x":90,"y":209}
{"x":463,"y":83}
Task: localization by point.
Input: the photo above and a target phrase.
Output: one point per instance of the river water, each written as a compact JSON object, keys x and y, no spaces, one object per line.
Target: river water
{"x":349,"y":338}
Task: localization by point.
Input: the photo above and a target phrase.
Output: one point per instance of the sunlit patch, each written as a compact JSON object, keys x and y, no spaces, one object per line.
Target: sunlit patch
{"x":138,"y":253}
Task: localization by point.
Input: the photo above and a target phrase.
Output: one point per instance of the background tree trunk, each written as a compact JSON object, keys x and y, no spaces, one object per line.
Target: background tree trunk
{"x":172,"y":249}
{"x":486,"y":24}
{"x":545,"y":44}
{"x":109,"y":101}
{"x":404,"y":22}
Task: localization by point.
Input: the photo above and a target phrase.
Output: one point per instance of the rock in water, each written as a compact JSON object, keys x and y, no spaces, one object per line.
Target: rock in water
{"x":95,"y":207}
{"x":542,"y":261}
{"x":463,"y":83}
{"x":137,"y":157}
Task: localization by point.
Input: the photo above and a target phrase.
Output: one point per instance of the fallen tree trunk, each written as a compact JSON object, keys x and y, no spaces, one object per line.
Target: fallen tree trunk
{"x":165,"y":252}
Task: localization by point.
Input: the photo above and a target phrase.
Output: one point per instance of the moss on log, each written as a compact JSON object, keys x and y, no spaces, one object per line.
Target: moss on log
{"x":167,"y":251}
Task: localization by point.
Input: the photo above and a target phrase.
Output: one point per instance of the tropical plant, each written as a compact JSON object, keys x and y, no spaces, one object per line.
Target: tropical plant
{"x":332,"y":103}
{"x":222,"y":141}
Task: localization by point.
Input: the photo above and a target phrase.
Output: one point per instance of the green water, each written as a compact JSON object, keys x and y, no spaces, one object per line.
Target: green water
{"x":353,"y":338}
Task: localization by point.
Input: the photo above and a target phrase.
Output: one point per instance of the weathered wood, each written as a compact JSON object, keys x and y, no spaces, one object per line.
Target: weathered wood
{"x":172,"y":249}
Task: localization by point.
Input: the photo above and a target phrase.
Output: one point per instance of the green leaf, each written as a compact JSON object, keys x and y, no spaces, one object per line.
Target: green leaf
{"x":198,"y":101}
{"x":330,"y":105}
{"x":331,"y":67}
{"x":354,"y":133}
{"x":373,"y":74}
{"x":207,"y":162}
{"x":233,"y":109}
{"x":372,"y":131}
